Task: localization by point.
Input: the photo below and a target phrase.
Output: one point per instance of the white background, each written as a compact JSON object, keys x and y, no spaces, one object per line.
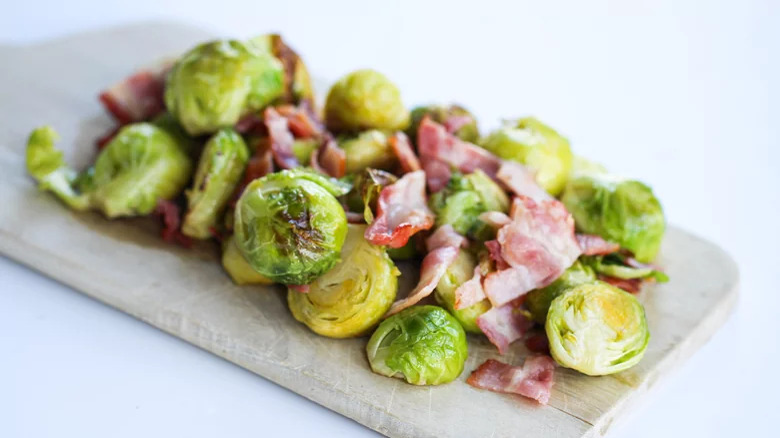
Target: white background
{"x":683,"y":95}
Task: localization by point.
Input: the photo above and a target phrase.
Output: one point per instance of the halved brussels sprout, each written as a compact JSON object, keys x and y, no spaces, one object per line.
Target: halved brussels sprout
{"x":297,"y":80}
{"x":621,"y":210}
{"x":538,"y":300}
{"x":467,"y":128}
{"x":461,"y":270}
{"x":221,"y":167}
{"x":213,"y":85}
{"x":238,"y":268}
{"x":464,"y":199}
{"x":613,"y":265}
{"x":139,"y":166}
{"x":365,"y":99}
{"x":353,"y":296}
{"x":597,"y":329}
{"x":536,"y":145}
{"x":289,"y":225}
{"x":369,"y":149}
{"x":423,"y":345}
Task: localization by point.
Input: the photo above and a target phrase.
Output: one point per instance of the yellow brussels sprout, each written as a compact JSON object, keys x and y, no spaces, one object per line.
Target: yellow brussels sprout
{"x":365,"y":99}
{"x":536,"y":145}
{"x":353,"y":296}
{"x":238,"y":268}
{"x":597,"y":329}
{"x":460,"y":271}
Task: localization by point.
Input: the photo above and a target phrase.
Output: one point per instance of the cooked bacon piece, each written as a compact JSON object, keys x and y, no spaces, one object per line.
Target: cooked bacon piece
{"x":251,"y":123}
{"x":402,"y":211}
{"x":139,"y":97}
{"x":538,"y":343}
{"x":330,"y":159}
{"x":631,"y":285}
{"x":171,"y":218}
{"x":435,"y":143}
{"x":438,"y":174}
{"x":495,"y":219}
{"x":454,"y":123}
{"x":302,"y":120}
{"x":404,"y":152}
{"x":259,"y":165}
{"x":533,"y":380}
{"x":302,"y":288}
{"x":592,"y":244}
{"x":470,"y":292}
{"x":433,"y":267}
{"x":520,"y":181}
{"x":445,"y":235}
{"x":538,"y":245}
{"x":504,"y":325}
{"x":494,"y":250}
{"x":281,"y":139}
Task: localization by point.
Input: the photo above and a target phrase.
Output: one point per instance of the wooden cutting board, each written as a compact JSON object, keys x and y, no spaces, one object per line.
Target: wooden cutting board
{"x":125,"y":265}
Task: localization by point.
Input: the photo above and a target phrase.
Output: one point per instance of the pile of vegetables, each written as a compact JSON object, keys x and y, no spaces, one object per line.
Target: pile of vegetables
{"x":516,"y":238}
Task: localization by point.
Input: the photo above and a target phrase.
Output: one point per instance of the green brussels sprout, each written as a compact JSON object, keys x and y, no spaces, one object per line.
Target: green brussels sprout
{"x":460,"y":271}
{"x":238,"y":268}
{"x":297,"y":80}
{"x":597,"y":329}
{"x":464,"y":199}
{"x":536,"y":145}
{"x":365,"y":99}
{"x":213,"y":85}
{"x":406,"y":252}
{"x":139,"y":166}
{"x":538,"y":300}
{"x":621,"y":210}
{"x":221,"y":167}
{"x":613,"y":265}
{"x":423,"y":345}
{"x":351,"y":298}
{"x":468,"y":131}
{"x":302,"y":148}
{"x":289,"y":225}
{"x":369,"y":149}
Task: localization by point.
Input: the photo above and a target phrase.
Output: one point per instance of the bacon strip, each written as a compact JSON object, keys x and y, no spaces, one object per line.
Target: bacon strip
{"x":445,"y":235}
{"x":470,"y":292}
{"x":494,"y":251}
{"x":434,"y":142}
{"x":630,"y":285}
{"x":538,"y":245}
{"x":259,"y":165}
{"x":139,"y":97}
{"x":281,"y":139}
{"x":403,"y":150}
{"x":520,"y":181}
{"x":402,"y":211}
{"x":433,"y":267}
{"x":171,"y":218}
{"x":504,"y":325}
{"x":592,"y":244}
{"x":454,"y":123}
{"x":438,"y":174}
{"x":533,"y":380}
{"x":330,"y":159}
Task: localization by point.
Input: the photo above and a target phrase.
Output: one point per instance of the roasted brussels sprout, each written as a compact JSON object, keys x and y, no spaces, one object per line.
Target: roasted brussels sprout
{"x":289,"y":225}
{"x":216,"y":83}
{"x":139,"y":166}
{"x":222,"y":164}
{"x":369,"y":149}
{"x":621,"y":210}
{"x":597,"y":329}
{"x":238,"y":268}
{"x":461,"y":270}
{"x":423,"y":345}
{"x":452,"y":116}
{"x":464,"y":199}
{"x":352,"y":297}
{"x":536,"y":145}
{"x":538,"y":300}
{"x":365,"y":99}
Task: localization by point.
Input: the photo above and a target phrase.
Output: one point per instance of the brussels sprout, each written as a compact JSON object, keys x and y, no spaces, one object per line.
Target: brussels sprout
{"x":365,"y":99}
{"x":613,"y":265}
{"x":289,"y":225}
{"x":297,"y":79}
{"x":353,"y":296}
{"x":464,"y":199}
{"x":220,"y":169}
{"x":423,"y":345}
{"x":139,"y":166}
{"x":461,"y":270}
{"x":538,"y":300}
{"x":213,"y":85}
{"x":597,"y":329}
{"x":238,"y":268}
{"x":302,"y":148}
{"x":536,"y":145}
{"x":621,"y":210}
{"x":467,"y":131}
{"x":369,"y":149}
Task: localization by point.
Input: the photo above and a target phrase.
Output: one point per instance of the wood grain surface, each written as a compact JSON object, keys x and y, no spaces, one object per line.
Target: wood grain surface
{"x":125,"y":265}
